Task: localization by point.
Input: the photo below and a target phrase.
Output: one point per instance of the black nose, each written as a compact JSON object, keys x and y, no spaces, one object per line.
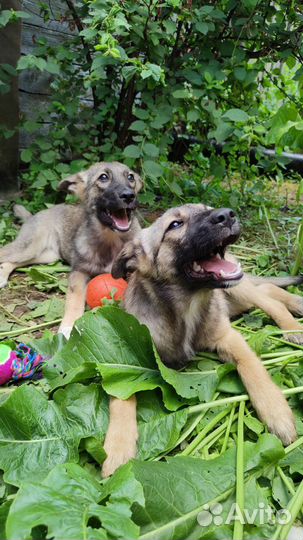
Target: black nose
{"x":225,"y":216}
{"x":127,"y":195}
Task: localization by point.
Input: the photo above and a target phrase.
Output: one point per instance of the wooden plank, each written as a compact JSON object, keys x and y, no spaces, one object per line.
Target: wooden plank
{"x":35,"y":82}
{"x":34,"y":86}
{"x":9,"y":106}
{"x":31,"y":34}
{"x":57,"y":21}
{"x":26,"y":139}
{"x":32,"y":105}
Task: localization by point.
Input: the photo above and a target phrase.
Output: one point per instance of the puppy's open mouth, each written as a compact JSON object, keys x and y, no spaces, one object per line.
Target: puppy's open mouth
{"x":214,"y":268}
{"x":119,"y":220}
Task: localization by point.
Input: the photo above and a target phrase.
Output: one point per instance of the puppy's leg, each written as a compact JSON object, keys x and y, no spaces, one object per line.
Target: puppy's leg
{"x":293,"y":302}
{"x":6,"y":269}
{"x":265,"y":396}
{"x":75,"y":301}
{"x":279,"y":313}
{"x":12,"y":256}
{"x":122,"y":434}
{"x":270,"y":299}
{"x":30,"y":247}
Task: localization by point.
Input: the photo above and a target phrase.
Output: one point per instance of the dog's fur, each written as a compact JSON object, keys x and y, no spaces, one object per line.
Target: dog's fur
{"x":87,"y":235}
{"x":188,"y":312}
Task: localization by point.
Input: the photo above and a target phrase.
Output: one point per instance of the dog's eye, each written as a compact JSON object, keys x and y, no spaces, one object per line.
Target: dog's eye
{"x":103,"y":177}
{"x":131,"y":177}
{"x":175,"y":225}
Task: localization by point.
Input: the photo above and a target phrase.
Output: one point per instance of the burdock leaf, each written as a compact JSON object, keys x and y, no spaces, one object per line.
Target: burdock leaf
{"x":73,"y":505}
{"x":37,"y":434}
{"x":114,"y":344}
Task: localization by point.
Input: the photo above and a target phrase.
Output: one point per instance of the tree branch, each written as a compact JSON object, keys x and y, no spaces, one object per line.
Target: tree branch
{"x":174,"y":50}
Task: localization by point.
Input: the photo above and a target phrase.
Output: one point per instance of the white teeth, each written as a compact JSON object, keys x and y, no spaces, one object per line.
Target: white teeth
{"x":218,"y":256}
{"x":237,"y":271}
{"x":196,"y":267}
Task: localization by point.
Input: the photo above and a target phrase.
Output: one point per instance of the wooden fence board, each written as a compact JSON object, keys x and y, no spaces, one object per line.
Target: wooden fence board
{"x":9,"y":105}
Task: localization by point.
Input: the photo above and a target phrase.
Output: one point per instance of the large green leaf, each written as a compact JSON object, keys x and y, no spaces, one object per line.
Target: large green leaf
{"x":67,"y":503}
{"x":236,"y":115}
{"x":114,"y":344}
{"x":159,"y":430}
{"x":111,"y":341}
{"x":281,"y":122}
{"x":199,"y":381}
{"x":37,"y":434}
{"x":182,"y":486}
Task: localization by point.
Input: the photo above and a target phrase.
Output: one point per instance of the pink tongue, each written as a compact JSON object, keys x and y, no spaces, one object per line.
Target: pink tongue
{"x":215,"y":265}
{"x":121,"y":220}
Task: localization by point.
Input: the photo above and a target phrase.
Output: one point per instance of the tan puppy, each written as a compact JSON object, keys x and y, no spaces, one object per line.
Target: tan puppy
{"x":88,"y":235}
{"x":178,"y":277}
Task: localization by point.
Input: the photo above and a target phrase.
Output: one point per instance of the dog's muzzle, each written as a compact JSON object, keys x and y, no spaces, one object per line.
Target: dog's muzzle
{"x":208,"y":266}
{"x":115,"y":209}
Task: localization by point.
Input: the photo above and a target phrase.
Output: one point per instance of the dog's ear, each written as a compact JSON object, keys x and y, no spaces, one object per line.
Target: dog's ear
{"x":126,"y":262}
{"x":75,"y":184}
{"x":131,"y":258}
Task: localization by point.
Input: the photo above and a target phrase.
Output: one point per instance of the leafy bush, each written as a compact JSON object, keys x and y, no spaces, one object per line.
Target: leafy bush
{"x":152,"y":69}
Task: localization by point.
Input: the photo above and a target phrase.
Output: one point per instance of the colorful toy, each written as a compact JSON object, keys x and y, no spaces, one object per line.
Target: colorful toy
{"x":101,"y":287}
{"x":22,"y":363}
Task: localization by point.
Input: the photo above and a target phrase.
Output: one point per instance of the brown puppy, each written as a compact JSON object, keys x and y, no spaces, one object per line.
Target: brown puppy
{"x":88,"y":235}
{"x":178,"y":276}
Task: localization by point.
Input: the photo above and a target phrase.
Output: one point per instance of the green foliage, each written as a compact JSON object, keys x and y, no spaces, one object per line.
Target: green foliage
{"x":51,"y":442}
{"x":47,"y":432}
{"x":69,"y":497}
{"x":10,"y":15}
{"x":136,"y":72}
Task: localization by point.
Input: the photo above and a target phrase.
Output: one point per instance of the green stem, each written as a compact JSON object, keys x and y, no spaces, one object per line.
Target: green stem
{"x":299,"y":255}
{"x":27,"y":329}
{"x":10,"y":315}
{"x":213,"y":436}
{"x":230,"y":421}
{"x":236,"y":399}
{"x":195,"y":442}
{"x":238,"y":526}
{"x":294,"y":445}
{"x":280,"y":355}
{"x":241,"y":247}
{"x":283,"y":361}
{"x":294,"y":506}
{"x":286,"y":481}
{"x":270,"y":228}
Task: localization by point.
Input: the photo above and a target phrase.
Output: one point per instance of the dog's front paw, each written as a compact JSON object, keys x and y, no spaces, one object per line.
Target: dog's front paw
{"x":65,"y":330}
{"x":3,"y":281}
{"x":116,"y":458}
{"x":3,"y":276}
{"x":296,"y":304}
{"x":285,"y":429}
{"x":120,"y":448}
{"x":294,"y":337}
{"x":280,"y":420}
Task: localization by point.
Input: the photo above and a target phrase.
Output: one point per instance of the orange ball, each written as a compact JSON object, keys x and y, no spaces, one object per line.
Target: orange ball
{"x":101,"y":286}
